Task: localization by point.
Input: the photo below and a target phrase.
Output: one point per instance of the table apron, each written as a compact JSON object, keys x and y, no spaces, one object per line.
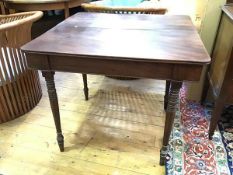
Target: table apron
{"x":128,"y":68}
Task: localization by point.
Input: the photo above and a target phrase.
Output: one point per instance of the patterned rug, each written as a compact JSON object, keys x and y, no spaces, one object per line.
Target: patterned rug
{"x":192,"y":153}
{"x":226,"y":130}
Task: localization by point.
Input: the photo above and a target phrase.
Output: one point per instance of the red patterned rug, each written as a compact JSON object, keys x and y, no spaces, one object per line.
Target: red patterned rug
{"x":192,"y":153}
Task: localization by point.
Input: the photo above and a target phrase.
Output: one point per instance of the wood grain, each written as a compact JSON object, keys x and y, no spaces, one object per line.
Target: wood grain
{"x":220,"y":74}
{"x":92,"y":146}
{"x":224,"y":89}
{"x":147,"y":46}
{"x":138,"y":37}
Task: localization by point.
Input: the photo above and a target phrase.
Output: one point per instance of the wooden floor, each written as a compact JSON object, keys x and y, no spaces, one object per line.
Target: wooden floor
{"x":117,"y":132}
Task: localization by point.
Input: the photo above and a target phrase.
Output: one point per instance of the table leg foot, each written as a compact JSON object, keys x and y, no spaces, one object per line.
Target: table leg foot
{"x":163,"y":154}
{"x":60,"y":141}
{"x":210,"y":136}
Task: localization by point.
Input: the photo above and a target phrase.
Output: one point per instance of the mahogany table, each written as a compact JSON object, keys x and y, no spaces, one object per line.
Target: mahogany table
{"x":144,"y":46}
{"x":42,"y":5}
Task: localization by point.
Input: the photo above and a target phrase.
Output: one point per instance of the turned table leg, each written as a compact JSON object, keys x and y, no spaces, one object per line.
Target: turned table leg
{"x":166,"y":94}
{"x":85,"y":89}
{"x":172,"y":104}
{"x":49,"y":78}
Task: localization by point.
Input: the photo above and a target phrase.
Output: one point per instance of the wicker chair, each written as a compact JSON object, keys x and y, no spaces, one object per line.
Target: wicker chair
{"x":2,"y":9}
{"x":20,"y":89}
{"x":122,"y":10}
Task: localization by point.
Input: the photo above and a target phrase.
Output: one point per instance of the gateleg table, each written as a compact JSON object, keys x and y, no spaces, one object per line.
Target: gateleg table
{"x":144,"y":46}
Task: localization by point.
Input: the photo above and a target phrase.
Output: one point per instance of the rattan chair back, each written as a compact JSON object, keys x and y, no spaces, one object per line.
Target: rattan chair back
{"x":20,"y":88}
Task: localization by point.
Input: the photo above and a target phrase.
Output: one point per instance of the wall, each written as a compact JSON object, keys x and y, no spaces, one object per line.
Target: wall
{"x":208,"y":29}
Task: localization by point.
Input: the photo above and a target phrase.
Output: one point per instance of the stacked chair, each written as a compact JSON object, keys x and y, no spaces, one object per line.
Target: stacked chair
{"x":20,"y":89}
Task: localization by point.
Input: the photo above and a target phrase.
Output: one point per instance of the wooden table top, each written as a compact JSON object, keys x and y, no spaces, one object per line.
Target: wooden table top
{"x":156,"y":38}
{"x":35,"y":1}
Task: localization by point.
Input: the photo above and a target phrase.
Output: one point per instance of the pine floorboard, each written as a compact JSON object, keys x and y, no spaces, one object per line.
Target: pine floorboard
{"x":117,"y":132}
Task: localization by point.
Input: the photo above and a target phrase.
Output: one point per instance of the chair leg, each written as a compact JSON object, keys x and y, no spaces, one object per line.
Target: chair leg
{"x":85,"y":89}
{"x":216,"y":114}
{"x":205,"y":89}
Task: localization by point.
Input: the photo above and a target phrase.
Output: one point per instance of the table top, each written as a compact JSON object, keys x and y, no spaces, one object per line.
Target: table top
{"x":157,"y":38}
{"x":35,"y":1}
